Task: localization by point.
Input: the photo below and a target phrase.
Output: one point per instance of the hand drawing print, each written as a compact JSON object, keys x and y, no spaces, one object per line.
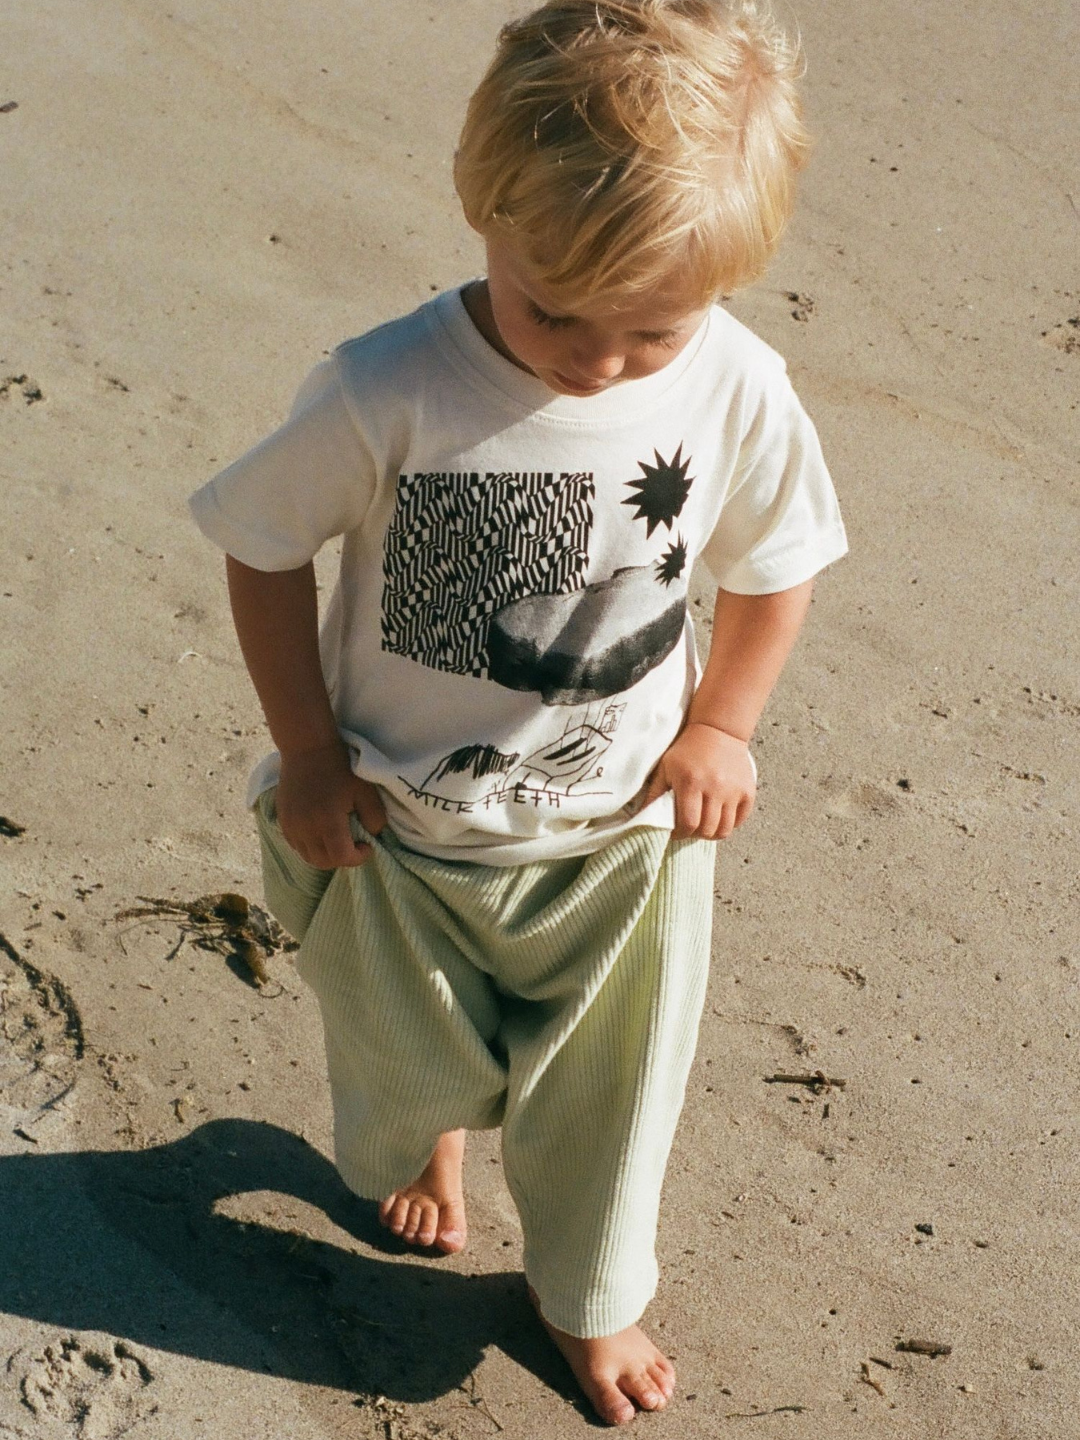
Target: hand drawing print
{"x":476,"y":777}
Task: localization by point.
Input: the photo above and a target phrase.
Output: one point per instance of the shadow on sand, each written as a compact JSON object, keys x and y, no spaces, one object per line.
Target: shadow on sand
{"x":128,"y":1242}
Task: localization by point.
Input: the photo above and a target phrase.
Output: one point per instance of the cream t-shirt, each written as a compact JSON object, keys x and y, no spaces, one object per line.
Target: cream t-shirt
{"x":509,"y":648}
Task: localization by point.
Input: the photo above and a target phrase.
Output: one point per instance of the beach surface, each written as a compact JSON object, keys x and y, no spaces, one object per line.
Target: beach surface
{"x":198,"y":205}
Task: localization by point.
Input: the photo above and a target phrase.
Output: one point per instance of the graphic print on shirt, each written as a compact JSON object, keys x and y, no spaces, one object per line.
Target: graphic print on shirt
{"x":460,"y":547}
{"x":570,"y":764}
{"x":662,"y":490}
{"x":486,"y":578}
{"x":673,"y":562}
{"x":579,"y":648}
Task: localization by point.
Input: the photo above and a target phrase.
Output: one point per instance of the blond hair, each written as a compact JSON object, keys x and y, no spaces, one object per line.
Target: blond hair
{"x":621,"y":143}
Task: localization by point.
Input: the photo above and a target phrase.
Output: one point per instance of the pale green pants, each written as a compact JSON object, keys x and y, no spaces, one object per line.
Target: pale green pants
{"x":559,"y":999}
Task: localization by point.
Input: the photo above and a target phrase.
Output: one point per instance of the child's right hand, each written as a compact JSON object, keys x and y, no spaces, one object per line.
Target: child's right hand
{"x":316,"y":794}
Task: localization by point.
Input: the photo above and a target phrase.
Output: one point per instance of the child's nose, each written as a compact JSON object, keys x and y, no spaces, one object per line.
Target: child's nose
{"x":599,"y":363}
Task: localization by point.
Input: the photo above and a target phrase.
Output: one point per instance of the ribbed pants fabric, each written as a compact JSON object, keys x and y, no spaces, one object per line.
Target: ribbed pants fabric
{"x":559,"y":999}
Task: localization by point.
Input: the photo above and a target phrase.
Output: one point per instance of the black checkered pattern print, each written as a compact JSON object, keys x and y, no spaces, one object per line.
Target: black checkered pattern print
{"x":460,"y":547}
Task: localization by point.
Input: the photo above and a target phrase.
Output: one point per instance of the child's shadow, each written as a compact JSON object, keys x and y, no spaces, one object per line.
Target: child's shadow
{"x":128,"y":1242}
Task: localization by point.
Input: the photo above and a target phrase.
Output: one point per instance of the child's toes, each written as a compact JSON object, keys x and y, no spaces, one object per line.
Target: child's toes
{"x":413,"y":1222}
{"x":428,"y":1227}
{"x":451,"y":1230}
{"x":644,"y":1387}
{"x":610,"y":1402}
{"x":645,"y":1390}
{"x":664,"y":1380}
{"x":394,"y":1212}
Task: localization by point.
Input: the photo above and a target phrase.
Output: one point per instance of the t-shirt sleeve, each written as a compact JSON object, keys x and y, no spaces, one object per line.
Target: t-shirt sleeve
{"x":780,"y":521}
{"x":310,"y":480}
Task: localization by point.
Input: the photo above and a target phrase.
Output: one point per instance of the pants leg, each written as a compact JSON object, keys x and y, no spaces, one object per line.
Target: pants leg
{"x":407,"y":1017}
{"x":597,"y":1081}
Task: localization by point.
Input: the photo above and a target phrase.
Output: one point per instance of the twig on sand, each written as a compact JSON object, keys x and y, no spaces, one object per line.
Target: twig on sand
{"x":818,"y":1081}
{"x":476,"y":1400}
{"x":757,"y":1414}
{"x":868,"y":1379}
{"x":24,"y":1133}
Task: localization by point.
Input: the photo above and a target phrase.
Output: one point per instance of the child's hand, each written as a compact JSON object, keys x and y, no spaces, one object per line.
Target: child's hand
{"x":711,"y":776}
{"x":315,"y":796}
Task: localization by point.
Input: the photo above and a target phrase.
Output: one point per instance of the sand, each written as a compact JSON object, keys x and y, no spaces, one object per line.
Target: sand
{"x":197,"y":204}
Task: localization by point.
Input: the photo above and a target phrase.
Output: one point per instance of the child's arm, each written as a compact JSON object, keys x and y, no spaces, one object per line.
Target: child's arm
{"x":276,"y":615}
{"x":708,"y":766}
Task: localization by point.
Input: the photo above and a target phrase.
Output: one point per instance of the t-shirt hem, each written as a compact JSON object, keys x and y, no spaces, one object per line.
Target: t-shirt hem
{"x":526,"y":851}
{"x":513,"y":850}
{"x":233,"y":539}
{"x":785,"y":571}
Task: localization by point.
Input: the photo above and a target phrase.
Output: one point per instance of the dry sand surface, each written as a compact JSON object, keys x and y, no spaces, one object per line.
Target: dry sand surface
{"x":199,"y":202}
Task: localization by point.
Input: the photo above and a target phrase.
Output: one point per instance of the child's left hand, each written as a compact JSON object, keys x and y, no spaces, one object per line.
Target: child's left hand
{"x":711,"y":776}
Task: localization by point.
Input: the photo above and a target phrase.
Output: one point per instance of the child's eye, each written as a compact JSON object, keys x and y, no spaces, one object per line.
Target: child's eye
{"x":666,"y":339}
{"x":553,"y":322}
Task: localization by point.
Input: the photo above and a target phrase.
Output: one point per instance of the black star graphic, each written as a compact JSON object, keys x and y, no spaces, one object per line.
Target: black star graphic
{"x":672,"y":563}
{"x":662,"y":490}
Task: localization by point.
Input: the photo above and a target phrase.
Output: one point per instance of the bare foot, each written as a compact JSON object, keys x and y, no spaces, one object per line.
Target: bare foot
{"x":617,"y":1371}
{"x":431,"y":1211}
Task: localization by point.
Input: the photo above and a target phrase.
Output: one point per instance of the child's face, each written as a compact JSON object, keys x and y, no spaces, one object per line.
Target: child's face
{"x":581,"y":353}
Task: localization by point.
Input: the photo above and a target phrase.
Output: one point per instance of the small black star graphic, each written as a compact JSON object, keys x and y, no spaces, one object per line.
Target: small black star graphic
{"x":672,"y":563}
{"x":662,"y":490}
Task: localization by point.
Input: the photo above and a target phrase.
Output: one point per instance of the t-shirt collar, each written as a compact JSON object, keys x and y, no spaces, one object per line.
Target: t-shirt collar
{"x":624,"y":400}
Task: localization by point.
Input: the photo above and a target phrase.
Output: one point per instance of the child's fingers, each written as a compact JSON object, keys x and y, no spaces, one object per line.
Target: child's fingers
{"x":687,"y":812}
{"x":656,"y":786}
{"x":712,"y":814}
{"x":306,"y":846}
{"x":727,"y":821}
{"x":358,"y":853}
{"x":327,"y":842}
{"x":743,"y":812}
{"x":350,"y":853}
{"x":704,"y":815}
{"x":339,"y":848}
{"x":369,"y":807}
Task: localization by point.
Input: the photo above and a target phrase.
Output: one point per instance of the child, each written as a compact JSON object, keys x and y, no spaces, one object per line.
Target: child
{"x":500,"y":768}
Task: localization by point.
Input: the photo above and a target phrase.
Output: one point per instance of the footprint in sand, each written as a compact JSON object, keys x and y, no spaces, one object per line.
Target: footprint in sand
{"x":803,"y":306}
{"x":856,"y":801}
{"x":94,"y":1389}
{"x":21,"y":385}
{"x":1065,"y":336}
